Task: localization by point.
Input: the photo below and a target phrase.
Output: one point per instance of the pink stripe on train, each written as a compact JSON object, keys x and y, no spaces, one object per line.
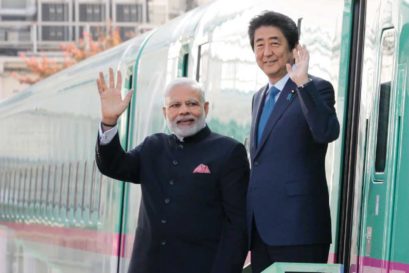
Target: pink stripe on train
{"x":82,"y":239}
{"x":107,"y":243}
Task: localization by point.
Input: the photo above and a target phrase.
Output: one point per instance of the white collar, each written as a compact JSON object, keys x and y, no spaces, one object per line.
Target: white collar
{"x":281,"y":83}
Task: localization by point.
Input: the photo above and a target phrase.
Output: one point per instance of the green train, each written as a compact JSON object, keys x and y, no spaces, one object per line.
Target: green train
{"x":59,"y":214}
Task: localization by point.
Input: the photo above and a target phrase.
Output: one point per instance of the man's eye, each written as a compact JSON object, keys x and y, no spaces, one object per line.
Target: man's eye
{"x":174,"y":105}
{"x":192,"y":103}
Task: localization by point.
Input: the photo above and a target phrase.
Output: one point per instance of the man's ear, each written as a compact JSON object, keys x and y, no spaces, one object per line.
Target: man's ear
{"x":206,"y":108}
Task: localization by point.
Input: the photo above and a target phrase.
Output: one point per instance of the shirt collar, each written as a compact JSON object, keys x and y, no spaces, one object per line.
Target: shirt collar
{"x":281,"y":83}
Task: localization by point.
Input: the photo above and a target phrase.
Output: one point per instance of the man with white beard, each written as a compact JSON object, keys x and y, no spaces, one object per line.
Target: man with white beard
{"x":193,"y":181}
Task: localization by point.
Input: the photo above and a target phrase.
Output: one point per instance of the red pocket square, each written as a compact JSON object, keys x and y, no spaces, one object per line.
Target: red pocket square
{"x":202,"y":168}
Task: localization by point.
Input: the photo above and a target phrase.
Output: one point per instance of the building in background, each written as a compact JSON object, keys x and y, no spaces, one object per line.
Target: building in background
{"x":40,"y":26}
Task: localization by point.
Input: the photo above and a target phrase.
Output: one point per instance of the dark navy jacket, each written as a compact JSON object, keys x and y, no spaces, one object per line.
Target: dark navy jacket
{"x":288,"y":193}
{"x":188,"y":222}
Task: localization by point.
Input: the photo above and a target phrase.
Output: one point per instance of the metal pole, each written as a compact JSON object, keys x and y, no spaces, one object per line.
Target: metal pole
{"x":34,"y":37}
{"x":146,"y":11}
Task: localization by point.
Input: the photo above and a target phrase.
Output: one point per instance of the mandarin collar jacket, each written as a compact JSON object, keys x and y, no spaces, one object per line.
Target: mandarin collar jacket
{"x":192,"y":212}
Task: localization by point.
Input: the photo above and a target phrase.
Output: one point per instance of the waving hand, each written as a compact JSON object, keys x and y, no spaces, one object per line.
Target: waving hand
{"x":112,"y":104}
{"x":299,"y":73}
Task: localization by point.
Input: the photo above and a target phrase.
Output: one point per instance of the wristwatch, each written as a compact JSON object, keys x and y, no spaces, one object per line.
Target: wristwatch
{"x":305,"y":84}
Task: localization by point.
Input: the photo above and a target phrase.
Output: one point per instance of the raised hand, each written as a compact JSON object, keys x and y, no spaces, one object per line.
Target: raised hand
{"x":112,"y":104}
{"x":299,"y":73}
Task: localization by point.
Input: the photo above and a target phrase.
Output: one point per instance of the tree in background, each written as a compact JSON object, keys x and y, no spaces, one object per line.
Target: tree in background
{"x":43,"y":66}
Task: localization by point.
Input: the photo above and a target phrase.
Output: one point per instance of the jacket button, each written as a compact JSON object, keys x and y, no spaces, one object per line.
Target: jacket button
{"x":174,"y":162}
{"x":171,"y":182}
{"x":167,"y":200}
{"x":163,"y":243}
{"x":163,"y":221}
{"x":180,"y":147}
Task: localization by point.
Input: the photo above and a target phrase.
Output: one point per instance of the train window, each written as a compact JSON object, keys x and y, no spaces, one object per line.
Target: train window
{"x":61,"y":185}
{"x":130,"y":82}
{"x":11,"y":191}
{"x":30,"y":192}
{"x":5,"y":188}
{"x":77,"y":191}
{"x":129,"y":78}
{"x":36,"y":183}
{"x":202,"y":63}
{"x":84,"y":187}
{"x":26,"y":189}
{"x":14,"y":189}
{"x":185,"y":64}
{"x":19,"y":184}
{"x":50,"y":185}
{"x":43,"y":190}
{"x":3,"y":176}
{"x":2,"y":185}
{"x":96,"y":193}
{"x":101,"y":185}
{"x":88,"y":182}
{"x":93,"y":178}
{"x":386,"y":74}
{"x":20,"y":194}
{"x":8,"y":187}
{"x":55,"y":187}
{"x":38,"y":189}
{"x":183,"y":60}
{"x":70,"y":186}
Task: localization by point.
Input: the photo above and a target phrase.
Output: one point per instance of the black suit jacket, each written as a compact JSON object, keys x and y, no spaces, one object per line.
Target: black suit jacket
{"x":288,"y":193}
{"x":189,"y":221}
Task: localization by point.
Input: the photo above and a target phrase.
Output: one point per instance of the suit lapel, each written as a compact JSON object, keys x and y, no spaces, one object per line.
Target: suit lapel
{"x":285,"y":99}
{"x":259,"y":100}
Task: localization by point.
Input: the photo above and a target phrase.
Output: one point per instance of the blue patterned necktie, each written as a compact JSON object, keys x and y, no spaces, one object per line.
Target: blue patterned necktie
{"x":267,"y":109}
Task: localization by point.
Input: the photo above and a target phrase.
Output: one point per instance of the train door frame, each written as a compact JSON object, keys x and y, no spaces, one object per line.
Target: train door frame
{"x":399,"y":222}
{"x":349,"y":204}
{"x":378,"y":182}
{"x":130,"y":81}
{"x":127,"y":86}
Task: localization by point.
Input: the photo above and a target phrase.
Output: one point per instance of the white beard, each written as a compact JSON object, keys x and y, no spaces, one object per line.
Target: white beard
{"x":185,"y":131}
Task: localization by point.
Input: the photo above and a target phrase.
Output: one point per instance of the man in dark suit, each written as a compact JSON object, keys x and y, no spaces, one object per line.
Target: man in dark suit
{"x":194,"y":182}
{"x":293,"y":120}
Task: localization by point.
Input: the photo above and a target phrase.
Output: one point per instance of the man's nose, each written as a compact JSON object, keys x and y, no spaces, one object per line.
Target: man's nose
{"x":267,"y":50}
{"x":184,"y":109}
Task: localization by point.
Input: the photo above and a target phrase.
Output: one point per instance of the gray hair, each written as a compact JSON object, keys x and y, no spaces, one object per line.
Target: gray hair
{"x":185,"y":82}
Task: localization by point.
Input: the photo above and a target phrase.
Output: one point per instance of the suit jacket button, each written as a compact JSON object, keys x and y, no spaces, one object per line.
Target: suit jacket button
{"x":163,"y":243}
{"x":167,"y":200}
{"x":174,"y":162}
{"x":163,"y":221}
{"x":171,"y":182}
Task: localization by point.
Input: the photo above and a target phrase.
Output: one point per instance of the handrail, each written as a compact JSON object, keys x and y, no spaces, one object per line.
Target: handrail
{"x":304,"y":267}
